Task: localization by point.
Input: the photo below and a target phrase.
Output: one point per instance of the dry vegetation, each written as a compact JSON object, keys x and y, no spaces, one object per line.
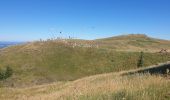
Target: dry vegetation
{"x":111,"y":86}
{"x":59,"y":65}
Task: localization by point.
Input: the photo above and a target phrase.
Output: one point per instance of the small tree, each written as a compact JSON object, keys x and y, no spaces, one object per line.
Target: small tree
{"x":141,"y":60}
{"x":8,"y":72}
{"x":1,"y":75}
{"x":4,"y":74}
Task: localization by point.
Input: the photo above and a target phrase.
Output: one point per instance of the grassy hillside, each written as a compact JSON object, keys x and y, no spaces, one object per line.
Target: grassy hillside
{"x":62,"y":60}
{"x":111,"y":86}
{"x":134,"y":42}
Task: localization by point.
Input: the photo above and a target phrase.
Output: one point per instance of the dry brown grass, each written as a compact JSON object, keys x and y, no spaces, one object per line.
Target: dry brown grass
{"x":104,"y":86}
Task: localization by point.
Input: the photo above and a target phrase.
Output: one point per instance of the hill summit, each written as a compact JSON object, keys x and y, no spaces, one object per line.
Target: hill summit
{"x":134,"y":42}
{"x":129,"y":36}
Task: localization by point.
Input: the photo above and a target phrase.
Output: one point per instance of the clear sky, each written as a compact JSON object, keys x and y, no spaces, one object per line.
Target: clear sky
{"x":23,"y":20}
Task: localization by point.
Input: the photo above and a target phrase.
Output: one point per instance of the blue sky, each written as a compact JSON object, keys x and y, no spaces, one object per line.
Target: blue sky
{"x":25,"y":20}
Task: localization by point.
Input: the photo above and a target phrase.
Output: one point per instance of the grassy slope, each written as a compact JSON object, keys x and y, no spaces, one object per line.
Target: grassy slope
{"x":134,"y":42}
{"x":111,"y":86}
{"x":44,"y":62}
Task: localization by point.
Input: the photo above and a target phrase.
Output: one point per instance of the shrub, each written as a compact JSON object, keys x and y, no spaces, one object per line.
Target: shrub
{"x":6,"y":74}
{"x":1,"y":75}
{"x":141,"y":60}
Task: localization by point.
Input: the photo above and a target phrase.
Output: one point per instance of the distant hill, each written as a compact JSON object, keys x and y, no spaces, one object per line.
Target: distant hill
{"x":7,"y":44}
{"x":134,"y":42}
{"x":49,"y":61}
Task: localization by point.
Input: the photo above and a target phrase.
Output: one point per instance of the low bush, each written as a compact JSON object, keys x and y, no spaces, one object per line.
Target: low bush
{"x":4,"y":74}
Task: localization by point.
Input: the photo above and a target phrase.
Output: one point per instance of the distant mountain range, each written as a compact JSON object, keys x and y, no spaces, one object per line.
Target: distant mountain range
{"x":6,"y":44}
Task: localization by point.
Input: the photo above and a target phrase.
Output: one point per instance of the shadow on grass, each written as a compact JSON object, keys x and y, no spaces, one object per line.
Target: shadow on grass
{"x":157,"y":69}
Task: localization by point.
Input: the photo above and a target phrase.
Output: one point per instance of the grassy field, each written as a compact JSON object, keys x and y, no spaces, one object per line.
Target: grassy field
{"x":134,"y":42}
{"x":54,"y":70}
{"x":111,"y":86}
{"x":42,"y":62}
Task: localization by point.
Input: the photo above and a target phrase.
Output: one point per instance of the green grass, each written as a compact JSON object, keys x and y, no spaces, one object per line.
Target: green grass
{"x":45,"y":62}
{"x":59,"y":62}
{"x":134,"y":42}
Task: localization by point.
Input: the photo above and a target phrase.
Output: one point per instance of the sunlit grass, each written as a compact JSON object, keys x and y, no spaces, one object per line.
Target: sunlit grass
{"x":45,"y":62}
{"x":111,"y":86}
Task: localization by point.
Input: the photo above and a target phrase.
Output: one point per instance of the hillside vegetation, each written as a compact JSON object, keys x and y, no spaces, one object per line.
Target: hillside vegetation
{"x":134,"y":42}
{"x":49,"y":61}
{"x":111,"y":86}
